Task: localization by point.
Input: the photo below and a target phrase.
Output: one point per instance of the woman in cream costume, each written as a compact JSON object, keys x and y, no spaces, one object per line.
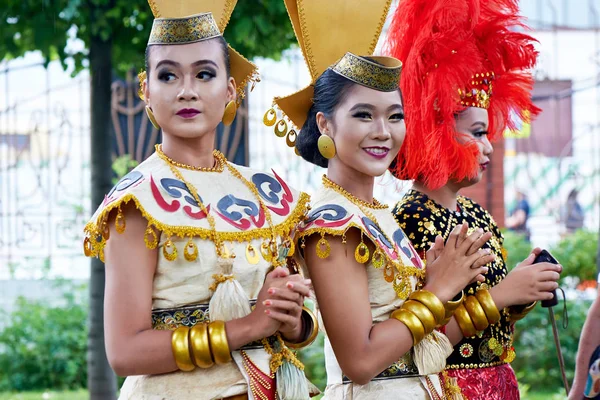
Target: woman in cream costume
{"x":467,"y":69}
{"x":380,"y":344}
{"x":200,"y":303}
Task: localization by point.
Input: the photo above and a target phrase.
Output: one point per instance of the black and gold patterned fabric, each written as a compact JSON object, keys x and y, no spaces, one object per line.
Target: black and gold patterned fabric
{"x":422,"y":219}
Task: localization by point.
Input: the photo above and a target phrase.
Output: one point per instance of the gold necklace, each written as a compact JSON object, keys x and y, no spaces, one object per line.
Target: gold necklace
{"x":376,"y":205}
{"x":222,"y":161}
{"x":217,"y":167}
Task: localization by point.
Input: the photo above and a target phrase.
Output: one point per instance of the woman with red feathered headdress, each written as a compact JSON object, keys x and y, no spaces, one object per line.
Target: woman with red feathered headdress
{"x":466,"y":78}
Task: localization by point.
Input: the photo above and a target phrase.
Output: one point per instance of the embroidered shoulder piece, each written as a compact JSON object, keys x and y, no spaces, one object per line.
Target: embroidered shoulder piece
{"x":333,"y":214}
{"x":169,"y":207}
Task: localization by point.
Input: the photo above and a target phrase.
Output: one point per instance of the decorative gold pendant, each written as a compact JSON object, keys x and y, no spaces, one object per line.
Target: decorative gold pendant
{"x":252,"y":255}
{"x":190,"y":252}
{"x":281,"y":128}
{"x":291,"y":137}
{"x":402,"y":287}
{"x":510,"y":356}
{"x":169,"y":250}
{"x":150,"y":238}
{"x":120,"y":222}
{"x":323,"y":248}
{"x":225,"y":253}
{"x":361,"y":253}
{"x":388,"y":273}
{"x":292,"y":249}
{"x":378,"y":259}
{"x":87,"y":247}
{"x":266,"y":252}
{"x":270,"y":117}
{"x":105,"y":231}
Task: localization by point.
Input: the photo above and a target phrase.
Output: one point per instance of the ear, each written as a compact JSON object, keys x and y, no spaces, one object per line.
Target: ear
{"x":146,"y":92}
{"x":323,"y":124}
{"x":231,"y":90}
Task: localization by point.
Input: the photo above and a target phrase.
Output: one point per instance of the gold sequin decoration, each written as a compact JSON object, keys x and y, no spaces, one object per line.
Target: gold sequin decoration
{"x":291,"y":137}
{"x":388,"y":273}
{"x":292,"y":249}
{"x":323,"y":248}
{"x":266,"y":252}
{"x":378,"y":259}
{"x":190,"y":252}
{"x":150,"y":238}
{"x":252,"y":254}
{"x":270,"y":117}
{"x":120,"y":222}
{"x":87,"y":247}
{"x":361,"y":253}
{"x":169,"y":250}
{"x":281,"y":128}
{"x":105,"y":231}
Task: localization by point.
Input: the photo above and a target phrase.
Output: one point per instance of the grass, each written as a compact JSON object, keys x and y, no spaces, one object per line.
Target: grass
{"x":45,"y":395}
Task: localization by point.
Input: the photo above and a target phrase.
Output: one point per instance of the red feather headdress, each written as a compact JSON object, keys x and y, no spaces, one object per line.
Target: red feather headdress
{"x":457,"y":53}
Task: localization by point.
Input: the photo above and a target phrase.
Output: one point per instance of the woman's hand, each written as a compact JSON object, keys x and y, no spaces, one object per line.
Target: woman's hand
{"x":279,"y":304}
{"x":527,"y":282}
{"x":460,"y":262}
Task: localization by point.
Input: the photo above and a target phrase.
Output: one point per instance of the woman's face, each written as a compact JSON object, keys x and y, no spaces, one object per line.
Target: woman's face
{"x":368,"y":129}
{"x":187,"y":87}
{"x":471,"y":127}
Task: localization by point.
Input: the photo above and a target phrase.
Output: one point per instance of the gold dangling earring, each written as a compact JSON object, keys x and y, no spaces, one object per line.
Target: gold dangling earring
{"x":150,"y":115}
{"x":270,"y":117}
{"x":229,"y":114}
{"x":326,"y":146}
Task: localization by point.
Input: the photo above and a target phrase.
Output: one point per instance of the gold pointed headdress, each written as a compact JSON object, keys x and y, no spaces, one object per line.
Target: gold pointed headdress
{"x":189,"y":21}
{"x":332,"y":34}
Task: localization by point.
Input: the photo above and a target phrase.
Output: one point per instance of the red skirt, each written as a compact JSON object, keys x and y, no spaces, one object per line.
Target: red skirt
{"x":491,"y":383}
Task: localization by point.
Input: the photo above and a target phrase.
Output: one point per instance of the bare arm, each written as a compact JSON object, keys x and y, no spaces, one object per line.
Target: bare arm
{"x":587,"y":344}
{"x":132,"y":346}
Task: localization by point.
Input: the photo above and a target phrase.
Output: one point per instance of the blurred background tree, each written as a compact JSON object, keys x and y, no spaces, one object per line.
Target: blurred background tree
{"x":109,"y":37}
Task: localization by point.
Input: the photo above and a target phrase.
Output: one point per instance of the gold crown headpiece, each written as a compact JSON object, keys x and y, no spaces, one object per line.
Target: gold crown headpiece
{"x":478,"y":94}
{"x":189,"y":21}
{"x":331,"y":34}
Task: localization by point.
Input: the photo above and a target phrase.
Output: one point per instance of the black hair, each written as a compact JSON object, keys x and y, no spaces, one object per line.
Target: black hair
{"x":224,"y":49}
{"x":330,"y":89}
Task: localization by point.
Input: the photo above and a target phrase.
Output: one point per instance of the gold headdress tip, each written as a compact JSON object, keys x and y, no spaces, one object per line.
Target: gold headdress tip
{"x":376,"y":72}
{"x":480,"y":91}
{"x":190,"y":29}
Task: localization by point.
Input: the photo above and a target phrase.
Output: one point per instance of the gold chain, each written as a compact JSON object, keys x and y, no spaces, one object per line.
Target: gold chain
{"x":353,"y":199}
{"x":217,"y":167}
{"x":220,"y":162}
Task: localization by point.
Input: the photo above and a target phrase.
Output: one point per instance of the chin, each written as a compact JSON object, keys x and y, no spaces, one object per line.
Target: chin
{"x":192,"y":130}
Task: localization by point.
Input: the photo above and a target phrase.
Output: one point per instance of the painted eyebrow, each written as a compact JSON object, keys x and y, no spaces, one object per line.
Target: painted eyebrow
{"x":482,"y":124}
{"x":195,"y":63}
{"x":371,"y":107}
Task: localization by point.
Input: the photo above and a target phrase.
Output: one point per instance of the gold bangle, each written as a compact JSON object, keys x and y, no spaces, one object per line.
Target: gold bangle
{"x":412,"y":322}
{"x":476,"y":313}
{"x":451,"y":305}
{"x":218,"y":342}
{"x":423,"y":313}
{"x":431,"y":301}
{"x":200,"y":344}
{"x":515,"y":316}
{"x":311,"y":336}
{"x":464,"y":321}
{"x":487,"y":302}
{"x":181,"y":349}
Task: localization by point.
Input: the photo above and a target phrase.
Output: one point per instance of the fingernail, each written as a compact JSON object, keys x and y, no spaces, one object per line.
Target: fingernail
{"x":267,"y":302}
{"x":272,"y":291}
{"x":488,"y":251}
{"x":267,"y":312}
{"x":290,"y":285}
{"x":479,"y":230}
{"x":485,"y":269}
{"x":307,"y":281}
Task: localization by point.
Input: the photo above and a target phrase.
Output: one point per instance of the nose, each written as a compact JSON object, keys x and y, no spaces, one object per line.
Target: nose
{"x":382,"y":130}
{"x":188,"y":91}
{"x":488,"y":149}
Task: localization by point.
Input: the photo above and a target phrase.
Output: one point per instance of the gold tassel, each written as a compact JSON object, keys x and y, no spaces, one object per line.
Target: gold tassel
{"x":451,"y":388}
{"x":430,"y":353}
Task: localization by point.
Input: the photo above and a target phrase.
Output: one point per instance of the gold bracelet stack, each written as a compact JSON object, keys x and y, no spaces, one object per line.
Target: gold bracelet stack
{"x":311,"y":326}
{"x":519,"y":312}
{"x":476,"y":313}
{"x":421,"y":313}
{"x":201,"y":346}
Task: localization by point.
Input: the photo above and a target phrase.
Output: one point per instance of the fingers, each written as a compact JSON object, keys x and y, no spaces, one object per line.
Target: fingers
{"x":481,"y":258}
{"x":545,"y":266}
{"x":528,"y":261}
{"x":547,"y":286}
{"x":284,"y":318}
{"x":536,"y":251}
{"x":289,"y":307}
{"x":279,"y":272}
{"x":453,"y":238}
{"x":302,"y":288}
{"x":549,"y":276}
{"x":462,"y":234}
{"x":285,"y":294}
{"x":477,"y":244}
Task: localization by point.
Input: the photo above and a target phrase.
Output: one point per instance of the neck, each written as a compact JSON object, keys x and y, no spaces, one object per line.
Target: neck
{"x":196,"y":152}
{"x":358,"y":184}
{"x":445,"y":196}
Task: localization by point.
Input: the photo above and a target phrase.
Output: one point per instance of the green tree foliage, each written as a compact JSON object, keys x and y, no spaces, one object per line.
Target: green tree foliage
{"x":257,"y":28}
{"x":577,"y":254}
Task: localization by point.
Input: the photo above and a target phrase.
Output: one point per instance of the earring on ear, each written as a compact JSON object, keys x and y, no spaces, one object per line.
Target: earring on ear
{"x":150,"y":115}
{"x":326,"y":146}
{"x":229,"y":114}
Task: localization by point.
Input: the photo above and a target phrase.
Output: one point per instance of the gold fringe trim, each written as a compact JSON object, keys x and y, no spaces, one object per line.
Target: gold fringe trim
{"x":219,"y":278}
{"x":386,"y":10}
{"x":277,"y":358}
{"x":411,"y":270}
{"x":94,"y":242}
{"x":307,"y":45}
